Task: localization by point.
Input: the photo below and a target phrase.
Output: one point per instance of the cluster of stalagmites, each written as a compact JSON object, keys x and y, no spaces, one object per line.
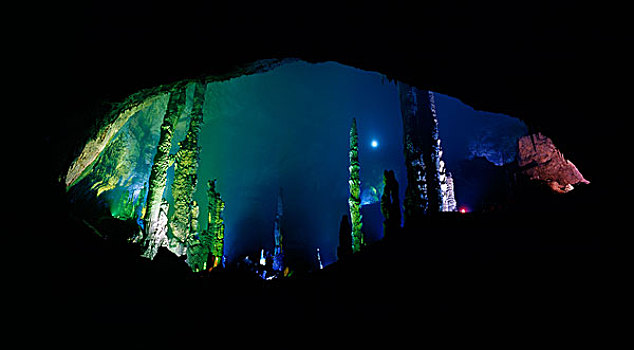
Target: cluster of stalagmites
{"x":429,"y":187}
{"x":203,"y":249}
{"x":429,"y":190}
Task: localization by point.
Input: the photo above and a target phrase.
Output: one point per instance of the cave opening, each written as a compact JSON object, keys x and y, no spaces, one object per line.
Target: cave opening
{"x":287,"y":128}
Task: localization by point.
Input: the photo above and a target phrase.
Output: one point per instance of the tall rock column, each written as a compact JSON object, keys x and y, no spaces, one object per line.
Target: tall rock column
{"x":186,"y":177}
{"x":278,"y":252}
{"x":423,"y":154}
{"x":450,"y":204}
{"x":158,"y":174}
{"x":390,"y":205}
{"x":432,"y":155}
{"x":159,"y":238}
{"x":215,"y":225}
{"x":355,"y":190}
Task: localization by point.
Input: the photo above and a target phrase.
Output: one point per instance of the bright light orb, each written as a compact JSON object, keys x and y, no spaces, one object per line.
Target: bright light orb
{"x":374,"y":144}
{"x":463,"y":211}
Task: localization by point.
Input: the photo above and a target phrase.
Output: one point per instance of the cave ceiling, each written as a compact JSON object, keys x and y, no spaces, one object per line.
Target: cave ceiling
{"x":547,"y":64}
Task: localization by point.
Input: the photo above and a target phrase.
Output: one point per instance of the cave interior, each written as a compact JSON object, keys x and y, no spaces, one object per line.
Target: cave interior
{"x":546,"y":65}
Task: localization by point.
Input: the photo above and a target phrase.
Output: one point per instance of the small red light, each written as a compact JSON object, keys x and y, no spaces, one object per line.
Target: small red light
{"x":463,"y":211}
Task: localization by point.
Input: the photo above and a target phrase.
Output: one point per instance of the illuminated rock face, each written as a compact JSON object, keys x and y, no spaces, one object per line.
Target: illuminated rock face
{"x":214,"y":236}
{"x":159,"y":227}
{"x":186,"y":177}
{"x":540,"y":160}
{"x":354,"y":202}
{"x":426,"y":174}
{"x":449,"y":198}
{"x":162,"y":160}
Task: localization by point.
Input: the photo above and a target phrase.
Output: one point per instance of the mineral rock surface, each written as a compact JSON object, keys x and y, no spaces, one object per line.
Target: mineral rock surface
{"x":540,"y":160}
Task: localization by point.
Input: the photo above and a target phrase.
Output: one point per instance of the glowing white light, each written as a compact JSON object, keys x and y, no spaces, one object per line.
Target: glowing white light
{"x":262,"y":258}
{"x":375,"y":143}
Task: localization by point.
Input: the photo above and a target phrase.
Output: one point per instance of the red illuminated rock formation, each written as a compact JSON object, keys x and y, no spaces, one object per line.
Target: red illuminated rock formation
{"x":540,"y":160}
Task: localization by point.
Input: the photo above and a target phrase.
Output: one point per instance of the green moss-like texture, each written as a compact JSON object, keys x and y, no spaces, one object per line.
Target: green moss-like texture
{"x":215,"y":228}
{"x":206,"y":250}
{"x":184,"y":223}
{"x":259,"y":134}
{"x":355,"y":190}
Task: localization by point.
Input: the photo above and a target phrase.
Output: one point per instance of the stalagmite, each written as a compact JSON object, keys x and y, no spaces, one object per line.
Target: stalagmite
{"x":159,"y":229}
{"x":186,"y":177}
{"x":432,"y":153}
{"x":449,"y":203}
{"x":158,"y":174}
{"x":278,"y":252}
{"x":390,"y":205}
{"x":345,"y":238}
{"x":355,"y":190}
{"x":423,"y":153}
{"x":215,"y":235}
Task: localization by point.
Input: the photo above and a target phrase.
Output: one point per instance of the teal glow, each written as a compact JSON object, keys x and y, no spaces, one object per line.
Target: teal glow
{"x":287,"y":128}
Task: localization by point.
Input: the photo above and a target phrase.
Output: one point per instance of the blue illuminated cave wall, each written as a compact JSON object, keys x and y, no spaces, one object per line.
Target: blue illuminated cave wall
{"x":289,"y":128}
{"x":476,"y":146}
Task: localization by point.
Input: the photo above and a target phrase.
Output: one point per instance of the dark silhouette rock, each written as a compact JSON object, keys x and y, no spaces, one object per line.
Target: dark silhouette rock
{"x":345,"y":238}
{"x":390,"y":204}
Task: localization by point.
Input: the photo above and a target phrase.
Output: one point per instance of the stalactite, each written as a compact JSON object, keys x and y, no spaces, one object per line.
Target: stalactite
{"x":158,"y":174}
{"x":355,"y":190}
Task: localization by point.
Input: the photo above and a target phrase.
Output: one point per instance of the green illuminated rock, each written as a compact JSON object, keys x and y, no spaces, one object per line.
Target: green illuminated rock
{"x":355,"y":190}
{"x":160,"y":232}
{"x":96,"y":146}
{"x":186,"y":177}
{"x":215,"y":226}
{"x":207,"y":249}
{"x":197,"y":252}
{"x":158,"y":174}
